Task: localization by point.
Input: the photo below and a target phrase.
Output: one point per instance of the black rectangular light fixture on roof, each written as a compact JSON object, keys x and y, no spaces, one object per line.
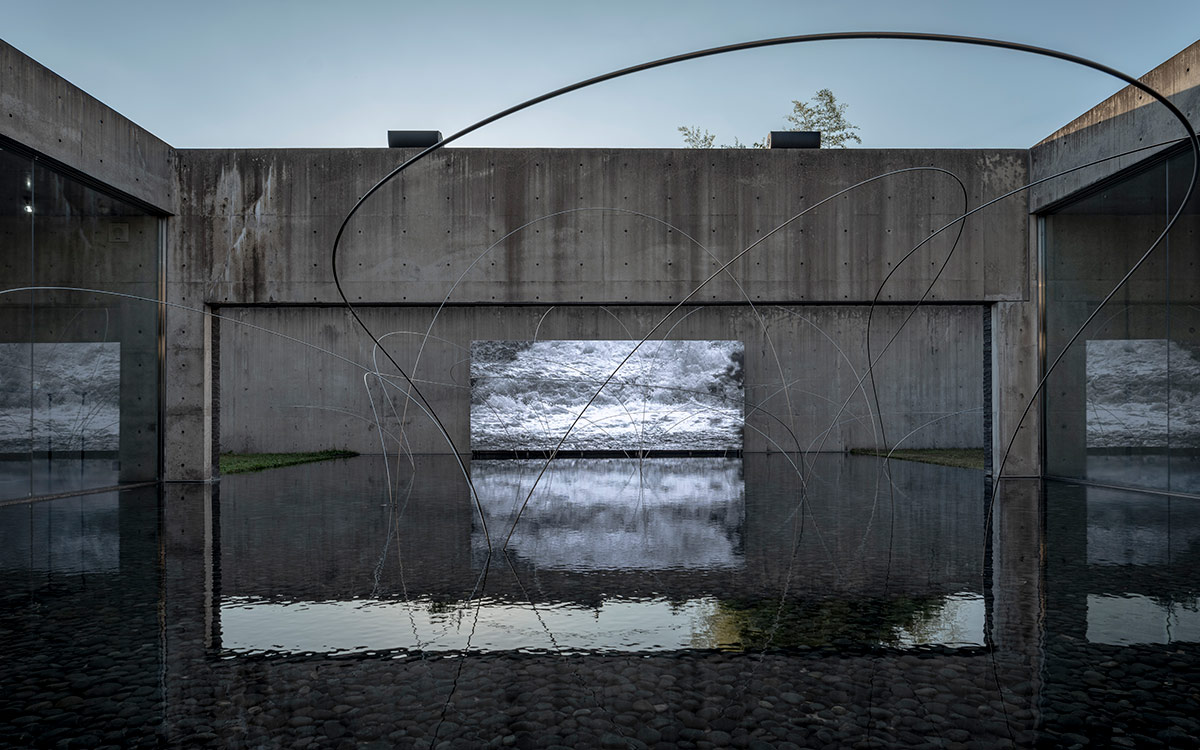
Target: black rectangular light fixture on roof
{"x":413,"y":138}
{"x":794,"y":139}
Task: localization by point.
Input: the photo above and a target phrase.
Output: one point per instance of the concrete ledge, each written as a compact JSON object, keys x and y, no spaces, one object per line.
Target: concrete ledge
{"x":599,"y":226}
{"x":1128,"y":119}
{"x":44,"y":112}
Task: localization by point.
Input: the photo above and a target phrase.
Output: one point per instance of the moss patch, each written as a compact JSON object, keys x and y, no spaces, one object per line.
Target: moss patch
{"x":240,"y":463}
{"x":963,"y":458}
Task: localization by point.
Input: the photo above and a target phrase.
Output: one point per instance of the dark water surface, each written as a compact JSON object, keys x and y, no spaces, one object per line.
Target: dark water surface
{"x":661,"y":603}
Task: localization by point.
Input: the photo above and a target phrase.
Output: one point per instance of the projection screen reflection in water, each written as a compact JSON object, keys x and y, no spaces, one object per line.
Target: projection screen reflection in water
{"x":617,"y":513}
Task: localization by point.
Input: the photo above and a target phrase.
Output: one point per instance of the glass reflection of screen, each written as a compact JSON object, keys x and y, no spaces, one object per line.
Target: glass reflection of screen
{"x":69,"y":535}
{"x":1140,"y":394}
{"x":73,"y":390}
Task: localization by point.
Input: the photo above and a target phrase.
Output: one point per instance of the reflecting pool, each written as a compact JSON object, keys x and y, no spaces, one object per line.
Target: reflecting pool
{"x":764,"y":601}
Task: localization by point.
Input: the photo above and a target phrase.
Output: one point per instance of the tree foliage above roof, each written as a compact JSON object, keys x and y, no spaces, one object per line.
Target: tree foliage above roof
{"x":822,"y":112}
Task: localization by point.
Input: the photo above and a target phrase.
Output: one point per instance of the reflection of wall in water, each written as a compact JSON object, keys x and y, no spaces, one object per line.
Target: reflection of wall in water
{"x":1120,"y":565}
{"x":841,"y":526}
{"x":331,"y":531}
{"x":616,"y":514}
{"x":1133,"y":618}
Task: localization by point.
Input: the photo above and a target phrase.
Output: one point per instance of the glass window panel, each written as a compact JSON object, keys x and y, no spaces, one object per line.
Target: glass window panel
{"x":16,"y":246}
{"x":1107,"y":402}
{"x":79,"y":359}
{"x":95,"y":356}
{"x":1184,"y":364}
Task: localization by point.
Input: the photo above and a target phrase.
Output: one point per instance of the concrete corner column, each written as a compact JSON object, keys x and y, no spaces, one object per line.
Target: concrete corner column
{"x":1014,"y":382}
{"x":1016,"y":406}
{"x":192,"y":429}
{"x":212,"y":394}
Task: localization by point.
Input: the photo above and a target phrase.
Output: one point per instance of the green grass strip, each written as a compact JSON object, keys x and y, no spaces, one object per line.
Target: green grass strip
{"x":240,"y":463}
{"x":962,"y":458}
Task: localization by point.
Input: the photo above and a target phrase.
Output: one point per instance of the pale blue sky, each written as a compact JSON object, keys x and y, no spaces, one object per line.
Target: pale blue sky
{"x":322,"y":74}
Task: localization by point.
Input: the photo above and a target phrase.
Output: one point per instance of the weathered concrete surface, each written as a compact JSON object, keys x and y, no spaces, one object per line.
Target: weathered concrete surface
{"x":582,"y":227}
{"x":190,"y":413}
{"x":538,"y":227}
{"x":42,"y":111}
{"x":597,"y":226}
{"x":1016,"y":369}
{"x":1129,"y":119}
{"x":304,"y":389}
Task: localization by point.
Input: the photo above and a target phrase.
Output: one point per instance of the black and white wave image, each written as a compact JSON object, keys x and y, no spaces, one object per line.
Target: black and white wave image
{"x":670,"y":395}
{"x":72,"y":390}
{"x":1142,"y":393}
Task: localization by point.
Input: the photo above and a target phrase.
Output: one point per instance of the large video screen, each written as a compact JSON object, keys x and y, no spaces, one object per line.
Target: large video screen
{"x":665,"y":396}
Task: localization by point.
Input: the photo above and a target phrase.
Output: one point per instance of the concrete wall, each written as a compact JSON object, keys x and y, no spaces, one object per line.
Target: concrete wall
{"x":595,"y":226}
{"x":1016,"y":368}
{"x":1129,"y":119}
{"x":299,"y":391}
{"x":1087,"y":254}
{"x":79,"y":237}
{"x":44,"y":112}
{"x":501,"y":234}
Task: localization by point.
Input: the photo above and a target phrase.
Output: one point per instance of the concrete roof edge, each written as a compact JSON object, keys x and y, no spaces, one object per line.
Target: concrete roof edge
{"x":1119,"y":102}
{"x":47,"y":114}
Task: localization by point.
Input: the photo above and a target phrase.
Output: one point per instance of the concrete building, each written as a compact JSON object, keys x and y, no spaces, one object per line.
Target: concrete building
{"x":161,"y":305}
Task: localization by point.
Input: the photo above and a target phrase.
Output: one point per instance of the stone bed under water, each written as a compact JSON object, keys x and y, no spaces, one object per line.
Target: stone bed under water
{"x":662,"y":603}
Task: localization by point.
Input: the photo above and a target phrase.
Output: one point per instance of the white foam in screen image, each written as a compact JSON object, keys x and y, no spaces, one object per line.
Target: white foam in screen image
{"x":669,"y":395}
